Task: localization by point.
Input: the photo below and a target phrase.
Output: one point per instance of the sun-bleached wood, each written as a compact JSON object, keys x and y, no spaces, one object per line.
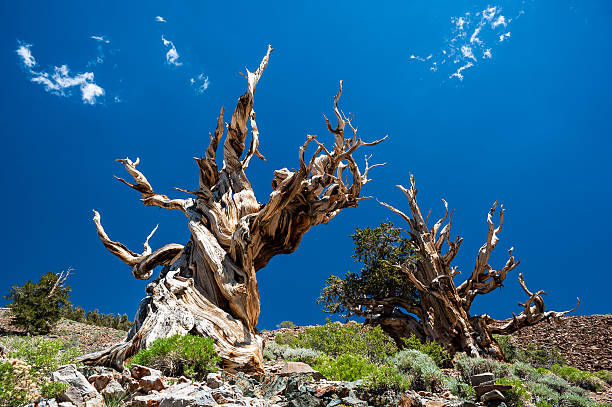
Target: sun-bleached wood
{"x":209,"y":286}
{"x":442,"y":313}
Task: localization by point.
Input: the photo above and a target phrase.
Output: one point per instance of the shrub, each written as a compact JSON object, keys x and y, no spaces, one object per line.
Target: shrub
{"x":387,"y":377}
{"x":189,"y":355}
{"x":586,"y":380}
{"x":431,"y":348}
{"x":518,"y":394}
{"x":50,"y":390}
{"x":421,"y":368}
{"x":459,"y":388}
{"x":44,"y":355}
{"x":287,"y":324}
{"x":345,"y":367}
{"x":337,"y":339}
{"x":16,"y":384}
{"x":275,"y":351}
{"x":532,"y":354}
{"x":605,"y":375}
{"x":469,"y":366}
{"x":34,"y":307}
{"x":286,"y":338}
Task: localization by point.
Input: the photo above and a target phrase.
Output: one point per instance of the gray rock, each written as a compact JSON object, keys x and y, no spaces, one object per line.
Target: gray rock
{"x":145,"y":401}
{"x":79,"y":392}
{"x":66,"y":404}
{"x":138,"y":372}
{"x":299,"y":368}
{"x":482,"y":378}
{"x":492,"y":396}
{"x":44,"y":403}
{"x":187,"y":395}
{"x":113,"y":389}
{"x":485,"y":388}
{"x":354,"y":402}
{"x":213,"y":380}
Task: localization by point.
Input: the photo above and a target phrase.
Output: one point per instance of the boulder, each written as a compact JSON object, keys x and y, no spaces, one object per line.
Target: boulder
{"x":485,"y":388}
{"x":150,"y":383}
{"x":113,"y":389}
{"x":482,"y":378}
{"x":492,"y":395}
{"x":299,"y":368}
{"x":187,"y":395}
{"x":79,"y":392}
{"x":99,"y":381}
{"x":138,"y":372}
{"x":213,"y":380}
{"x":149,"y":400}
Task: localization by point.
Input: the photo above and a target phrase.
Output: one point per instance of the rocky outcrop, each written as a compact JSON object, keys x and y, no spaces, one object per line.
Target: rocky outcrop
{"x":79,"y":392}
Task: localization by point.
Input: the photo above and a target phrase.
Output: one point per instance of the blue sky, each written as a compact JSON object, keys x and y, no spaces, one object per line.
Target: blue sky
{"x":503,"y":100}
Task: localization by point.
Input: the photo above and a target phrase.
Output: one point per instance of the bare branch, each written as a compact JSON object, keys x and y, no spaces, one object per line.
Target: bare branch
{"x":143,"y":186}
{"x":61,"y":279}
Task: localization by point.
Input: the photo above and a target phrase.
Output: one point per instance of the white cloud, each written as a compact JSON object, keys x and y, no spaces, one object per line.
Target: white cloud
{"x":466,"y":50}
{"x":160,"y":19}
{"x":61,"y":82}
{"x":26,"y":55}
{"x":472,"y":39}
{"x":172,"y":55}
{"x":458,"y":74}
{"x":200,"y":83}
{"x":501,"y":20}
{"x":99,"y":38}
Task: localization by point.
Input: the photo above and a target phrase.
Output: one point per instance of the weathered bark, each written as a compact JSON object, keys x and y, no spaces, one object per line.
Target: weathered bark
{"x":442,"y":312}
{"x":209,"y":286}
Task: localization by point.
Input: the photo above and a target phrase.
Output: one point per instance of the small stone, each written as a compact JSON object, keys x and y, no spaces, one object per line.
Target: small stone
{"x":492,"y":395}
{"x":354,"y":402}
{"x":149,"y":383}
{"x":300,"y":368}
{"x":434,"y":403}
{"x":113,"y":389}
{"x":138,"y":372}
{"x":213,"y":380}
{"x":99,"y":381}
{"x":150,"y":400}
{"x":482,"y":378}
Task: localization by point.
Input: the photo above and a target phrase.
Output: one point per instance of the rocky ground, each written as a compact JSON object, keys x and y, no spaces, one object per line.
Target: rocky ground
{"x":584,"y":341}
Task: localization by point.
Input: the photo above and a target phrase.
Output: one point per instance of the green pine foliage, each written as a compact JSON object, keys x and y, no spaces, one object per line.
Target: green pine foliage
{"x":33,"y":308}
{"x":189,"y":355}
{"x":78,"y":314}
{"x":378,"y":250}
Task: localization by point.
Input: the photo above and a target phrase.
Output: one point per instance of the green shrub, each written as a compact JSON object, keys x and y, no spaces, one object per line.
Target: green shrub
{"x":532,"y":354}
{"x":345,"y":367}
{"x":33,"y":305}
{"x":286,"y":338}
{"x":518,"y":395}
{"x":586,"y":380}
{"x":287,"y":324}
{"x":274,"y":351}
{"x":459,"y":388}
{"x":44,"y":355}
{"x":189,"y":355}
{"x":337,"y":339}
{"x":15,"y":379}
{"x":605,"y":375}
{"x":385,"y":378}
{"x":431,"y":348}
{"x":469,"y":366}
{"x":421,"y":368}
{"x":50,"y":390}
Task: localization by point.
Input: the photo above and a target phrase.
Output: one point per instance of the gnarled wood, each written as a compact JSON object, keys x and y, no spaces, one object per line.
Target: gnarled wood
{"x":442,"y":312}
{"x":209,"y":286}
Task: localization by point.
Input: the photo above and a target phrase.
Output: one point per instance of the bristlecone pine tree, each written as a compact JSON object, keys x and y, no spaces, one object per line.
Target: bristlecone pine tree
{"x":208,"y":286}
{"x":425,"y":301}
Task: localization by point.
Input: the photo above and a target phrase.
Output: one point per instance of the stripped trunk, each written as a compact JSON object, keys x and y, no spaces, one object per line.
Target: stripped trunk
{"x":208,"y":286}
{"x":442,"y":312}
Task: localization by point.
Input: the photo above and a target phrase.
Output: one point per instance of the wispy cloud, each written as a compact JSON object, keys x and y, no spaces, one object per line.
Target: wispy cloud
{"x":26,"y":55}
{"x":172,"y":55}
{"x":60,"y":81}
{"x":160,"y":19}
{"x":99,"y":38}
{"x":200,"y":83}
{"x":474,"y":35}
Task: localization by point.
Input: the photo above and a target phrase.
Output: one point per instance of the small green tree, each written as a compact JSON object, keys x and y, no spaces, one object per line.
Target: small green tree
{"x":36,"y":307}
{"x":379,"y":291}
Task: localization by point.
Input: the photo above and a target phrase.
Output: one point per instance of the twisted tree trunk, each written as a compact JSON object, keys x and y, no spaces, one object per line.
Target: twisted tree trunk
{"x":208,"y":286}
{"x":442,"y":312}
